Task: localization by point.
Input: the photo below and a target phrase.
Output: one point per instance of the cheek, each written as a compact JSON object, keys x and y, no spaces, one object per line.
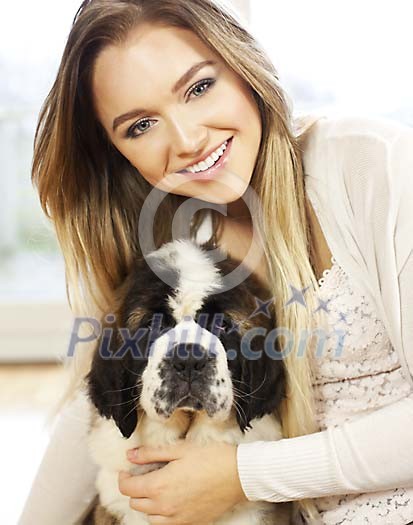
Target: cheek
{"x":243,"y":109}
{"x":250,"y":118}
{"x":148,"y":163}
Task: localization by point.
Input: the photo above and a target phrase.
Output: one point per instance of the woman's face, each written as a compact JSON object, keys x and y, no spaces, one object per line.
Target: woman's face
{"x":164,"y":120}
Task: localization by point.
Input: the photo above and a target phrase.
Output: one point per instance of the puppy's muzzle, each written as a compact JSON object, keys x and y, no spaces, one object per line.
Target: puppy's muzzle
{"x":190,"y":363}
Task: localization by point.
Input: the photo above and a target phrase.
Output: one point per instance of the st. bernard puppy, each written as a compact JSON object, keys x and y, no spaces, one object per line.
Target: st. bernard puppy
{"x":182,"y":358}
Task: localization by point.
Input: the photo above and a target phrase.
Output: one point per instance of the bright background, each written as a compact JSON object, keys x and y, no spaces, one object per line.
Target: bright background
{"x":333,"y":56}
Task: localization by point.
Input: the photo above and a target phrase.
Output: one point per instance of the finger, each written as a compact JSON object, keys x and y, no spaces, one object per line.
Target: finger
{"x":144,"y":505}
{"x":160,"y":520}
{"x":150,"y":508}
{"x":146,"y":454}
{"x":133,"y":486}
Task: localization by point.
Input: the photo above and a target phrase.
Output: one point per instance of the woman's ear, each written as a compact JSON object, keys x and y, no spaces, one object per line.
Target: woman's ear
{"x":112,"y":385}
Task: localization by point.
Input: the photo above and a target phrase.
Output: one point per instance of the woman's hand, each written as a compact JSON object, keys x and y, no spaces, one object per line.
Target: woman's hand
{"x":199,"y":484}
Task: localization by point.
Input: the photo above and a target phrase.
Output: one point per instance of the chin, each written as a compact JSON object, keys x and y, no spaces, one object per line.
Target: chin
{"x":171,"y":366}
{"x":227,"y":188}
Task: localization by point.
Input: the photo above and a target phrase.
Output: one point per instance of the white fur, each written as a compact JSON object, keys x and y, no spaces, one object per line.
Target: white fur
{"x":108,"y":448}
{"x":198,"y":276}
{"x":187,"y":331}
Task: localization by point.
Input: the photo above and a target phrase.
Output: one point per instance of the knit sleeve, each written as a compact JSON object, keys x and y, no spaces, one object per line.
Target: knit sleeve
{"x":64,"y":486}
{"x":376,"y":167}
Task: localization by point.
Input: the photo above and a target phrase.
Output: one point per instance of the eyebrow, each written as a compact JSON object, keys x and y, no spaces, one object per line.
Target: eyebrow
{"x":176,"y":87}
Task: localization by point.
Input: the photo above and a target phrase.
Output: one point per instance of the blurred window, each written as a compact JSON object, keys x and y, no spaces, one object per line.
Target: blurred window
{"x":349,"y":57}
{"x":332,"y":57}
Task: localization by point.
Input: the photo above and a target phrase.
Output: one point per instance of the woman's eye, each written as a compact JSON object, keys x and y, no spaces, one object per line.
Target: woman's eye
{"x":142,"y":126}
{"x":132,"y":131}
{"x":202,"y":86}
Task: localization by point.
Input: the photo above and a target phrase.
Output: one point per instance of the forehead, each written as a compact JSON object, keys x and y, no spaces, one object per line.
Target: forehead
{"x":151,"y":58}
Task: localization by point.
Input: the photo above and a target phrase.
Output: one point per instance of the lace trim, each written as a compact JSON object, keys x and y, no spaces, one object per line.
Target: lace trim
{"x":326,"y":272}
{"x":392,"y":507}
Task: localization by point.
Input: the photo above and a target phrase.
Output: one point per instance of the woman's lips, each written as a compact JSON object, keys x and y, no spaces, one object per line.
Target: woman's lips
{"x":211,"y":172}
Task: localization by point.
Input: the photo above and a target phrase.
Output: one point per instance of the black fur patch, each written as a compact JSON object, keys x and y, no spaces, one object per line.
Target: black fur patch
{"x":113,"y":382}
{"x":114,"y":385}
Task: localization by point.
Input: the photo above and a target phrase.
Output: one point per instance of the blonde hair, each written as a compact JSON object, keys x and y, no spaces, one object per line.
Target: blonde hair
{"x":93,"y":195}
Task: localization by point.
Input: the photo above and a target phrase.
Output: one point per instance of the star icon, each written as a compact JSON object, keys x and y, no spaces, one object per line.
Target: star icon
{"x":262,"y":307}
{"x":322,"y":305}
{"x":298,"y":296}
{"x":235,"y":327}
{"x":342,"y":317}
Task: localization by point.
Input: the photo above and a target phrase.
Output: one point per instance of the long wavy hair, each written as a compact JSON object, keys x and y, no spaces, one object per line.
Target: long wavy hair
{"x":93,"y":195}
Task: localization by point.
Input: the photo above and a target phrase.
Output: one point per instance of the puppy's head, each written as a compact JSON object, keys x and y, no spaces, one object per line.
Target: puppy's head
{"x":179,"y":341}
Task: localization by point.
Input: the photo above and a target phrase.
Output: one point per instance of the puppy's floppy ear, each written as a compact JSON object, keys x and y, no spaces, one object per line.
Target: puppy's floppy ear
{"x":112,"y":386}
{"x":262,"y":386}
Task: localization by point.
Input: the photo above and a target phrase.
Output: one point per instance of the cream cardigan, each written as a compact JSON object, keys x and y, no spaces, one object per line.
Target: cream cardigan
{"x":360,"y":174}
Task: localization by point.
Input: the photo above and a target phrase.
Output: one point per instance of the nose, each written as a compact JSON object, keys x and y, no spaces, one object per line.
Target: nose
{"x":189,"y":360}
{"x":189,"y":140}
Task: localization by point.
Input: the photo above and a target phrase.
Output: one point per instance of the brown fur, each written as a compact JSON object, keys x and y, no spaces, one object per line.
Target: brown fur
{"x":100,"y":516}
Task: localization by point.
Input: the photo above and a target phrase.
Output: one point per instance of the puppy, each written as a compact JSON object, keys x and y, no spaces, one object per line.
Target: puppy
{"x":182,"y":358}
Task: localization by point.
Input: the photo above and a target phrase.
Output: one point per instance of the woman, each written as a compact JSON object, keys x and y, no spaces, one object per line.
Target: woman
{"x":146,"y":90}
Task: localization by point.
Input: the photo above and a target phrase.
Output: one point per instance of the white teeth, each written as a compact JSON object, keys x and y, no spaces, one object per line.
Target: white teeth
{"x":209,"y":161}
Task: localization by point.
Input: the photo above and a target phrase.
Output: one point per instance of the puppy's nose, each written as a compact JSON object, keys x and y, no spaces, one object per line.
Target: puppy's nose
{"x":189,"y":360}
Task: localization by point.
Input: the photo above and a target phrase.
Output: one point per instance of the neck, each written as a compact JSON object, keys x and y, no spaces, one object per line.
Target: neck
{"x":238,"y":210}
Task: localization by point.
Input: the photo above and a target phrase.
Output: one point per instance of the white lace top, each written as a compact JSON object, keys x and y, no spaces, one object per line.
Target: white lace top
{"x":357,"y":372}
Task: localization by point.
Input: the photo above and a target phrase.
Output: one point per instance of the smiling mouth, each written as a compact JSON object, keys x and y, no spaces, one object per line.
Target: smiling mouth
{"x":212,"y":171}
{"x":207,"y":161}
